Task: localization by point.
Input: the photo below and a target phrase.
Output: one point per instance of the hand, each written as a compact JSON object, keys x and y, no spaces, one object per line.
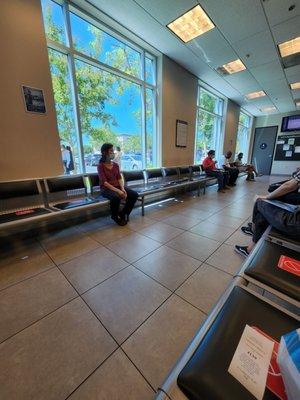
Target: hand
{"x":258,"y":196}
{"x":122,"y":193}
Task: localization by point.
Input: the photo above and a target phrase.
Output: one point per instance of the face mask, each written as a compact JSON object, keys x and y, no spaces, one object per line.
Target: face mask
{"x":110,"y":157}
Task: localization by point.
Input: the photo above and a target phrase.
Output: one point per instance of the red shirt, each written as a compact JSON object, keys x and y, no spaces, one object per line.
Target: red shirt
{"x":111,"y":176}
{"x":209,"y":164}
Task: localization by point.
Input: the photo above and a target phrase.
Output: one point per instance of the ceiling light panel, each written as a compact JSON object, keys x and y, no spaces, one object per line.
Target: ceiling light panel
{"x":255,"y":95}
{"x":295,"y":85}
{"x":290,"y":47}
{"x":297,"y":102}
{"x":268,"y":109}
{"x":232,"y":67}
{"x":191,"y":24}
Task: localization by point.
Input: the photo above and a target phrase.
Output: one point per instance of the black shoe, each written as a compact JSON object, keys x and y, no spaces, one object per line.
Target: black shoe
{"x":119,"y":220}
{"x":250,"y":226}
{"x":247,"y":230}
{"x":242,"y":250}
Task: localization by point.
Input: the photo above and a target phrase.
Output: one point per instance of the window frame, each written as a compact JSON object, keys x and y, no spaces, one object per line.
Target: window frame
{"x":73,"y":54}
{"x":218,"y":140}
{"x":249,"y":129}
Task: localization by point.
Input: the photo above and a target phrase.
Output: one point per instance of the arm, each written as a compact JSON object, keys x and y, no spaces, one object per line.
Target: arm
{"x":285,"y":188}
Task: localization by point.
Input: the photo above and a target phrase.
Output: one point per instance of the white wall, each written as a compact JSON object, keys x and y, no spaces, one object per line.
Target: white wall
{"x":278,"y":167}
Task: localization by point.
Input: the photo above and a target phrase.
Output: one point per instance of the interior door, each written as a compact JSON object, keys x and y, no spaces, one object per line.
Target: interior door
{"x":263,"y":148}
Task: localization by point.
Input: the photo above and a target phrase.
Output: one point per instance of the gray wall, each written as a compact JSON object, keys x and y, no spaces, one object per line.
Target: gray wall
{"x":278,"y":167}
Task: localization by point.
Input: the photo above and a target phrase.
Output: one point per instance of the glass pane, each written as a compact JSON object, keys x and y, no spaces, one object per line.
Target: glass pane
{"x":54,"y":21}
{"x":110,"y":111}
{"x":150,"y":70}
{"x":64,"y":110}
{"x":208,"y":127}
{"x":90,"y":40}
{"x":244,"y":119}
{"x":151,"y":160}
{"x":242,"y":141}
{"x":210,"y":102}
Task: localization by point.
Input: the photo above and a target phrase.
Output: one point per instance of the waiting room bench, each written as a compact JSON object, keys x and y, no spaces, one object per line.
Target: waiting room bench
{"x":201,"y":373}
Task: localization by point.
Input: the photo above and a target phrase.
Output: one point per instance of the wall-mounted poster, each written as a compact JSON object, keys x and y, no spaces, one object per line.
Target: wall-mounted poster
{"x":34,"y":100}
{"x":181,"y":133}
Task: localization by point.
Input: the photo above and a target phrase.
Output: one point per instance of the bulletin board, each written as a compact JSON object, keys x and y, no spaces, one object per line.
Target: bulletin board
{"x":288,"y":148}
{"x":181,"y":133}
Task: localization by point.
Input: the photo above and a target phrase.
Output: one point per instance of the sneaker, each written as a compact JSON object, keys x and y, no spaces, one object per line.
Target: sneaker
{"x":227,"y":187}
{"x":119,"y":221}
{"x":242,"y":250}
{"x":247,"y":230}
{"x":221,"y":191}
{"x":250,"y":224}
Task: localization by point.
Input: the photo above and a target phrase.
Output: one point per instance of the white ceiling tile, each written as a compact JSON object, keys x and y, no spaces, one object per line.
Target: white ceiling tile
{"x":243,"y":81}
{"x":237,"y":19}
{"x":268,"y":72}
{"x":224,"y":87}
{"x":276,"y":87}
{"x":296,"y":94}
{"x":257,"y":49}
{"x":167,"y":10}
{"x":213,"y":48}
{"x":293,"y":78}
{"x":287,"y":30}
{"x":277,"y":11}
{"x":292,"y":71}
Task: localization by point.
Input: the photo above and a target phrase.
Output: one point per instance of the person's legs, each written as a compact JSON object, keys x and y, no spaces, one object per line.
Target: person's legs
{"x":233,"y":174}
{"x":131,"y":199}
{"x":115,"y":201}
{"x":220,"y":177}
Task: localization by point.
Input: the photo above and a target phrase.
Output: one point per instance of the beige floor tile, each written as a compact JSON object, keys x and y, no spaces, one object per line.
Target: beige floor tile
{"x":168,"y":266}
{"x":181,"y":221}
{"x":238,"y":238}
{"x":23,"y":263}
{"x":226,"y":259}
{"x":193,"y":245}
{"x":161,"y":232}
{"x":124,"y":301}
{"x":110,"y":233}
{"x":225,"y":220}
{"x":28,"y":301}
{"x":88,"y":270}
{"x":51,"y":358}
{"x":204,"y":287}
{"x":212,"y":231}
{"x":159,"y":214}
{"x":64,"y":245}
{"x":157,"y":344}
{"x":239,"y":213}
{"x":133,"y":247}
{"x":138,"y":222}
{"x":116,"y":379}
{"x":95,"y":224}
{"x":194,"y":213}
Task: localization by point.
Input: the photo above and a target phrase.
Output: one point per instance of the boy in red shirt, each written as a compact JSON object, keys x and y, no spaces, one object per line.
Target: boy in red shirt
{"x":210,"y":169}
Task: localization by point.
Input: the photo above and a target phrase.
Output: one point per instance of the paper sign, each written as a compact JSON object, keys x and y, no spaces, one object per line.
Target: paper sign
{"x":250,"y":362}
{"x":286,"y":147}
{"x":297,"y":149}
{"x":288,"y":153}
{"x":289,"y":264}
{"x":274,"y":379}
{"x":291,"y":141}
{"x":280,"y":141}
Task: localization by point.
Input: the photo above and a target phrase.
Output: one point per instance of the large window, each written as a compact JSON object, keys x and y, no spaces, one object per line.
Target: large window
{"x":209,"y":124}
{"x":104,"y":89}
{"x":243,"y":135}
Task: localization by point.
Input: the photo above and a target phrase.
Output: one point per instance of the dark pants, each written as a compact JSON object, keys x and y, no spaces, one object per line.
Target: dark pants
{"x":222,"y":177}
{"x":115,"y":201}
{"x":265,"y":214}
{"x":233,"y":174}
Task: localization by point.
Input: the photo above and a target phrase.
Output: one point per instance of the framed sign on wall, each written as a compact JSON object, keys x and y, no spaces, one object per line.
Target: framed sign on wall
{"x":34,"y":100}
{"x":181,"y":133}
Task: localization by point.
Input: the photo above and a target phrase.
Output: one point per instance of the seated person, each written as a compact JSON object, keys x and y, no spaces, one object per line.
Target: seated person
{"x":210,"y":169}
{"x":233,"y":171}
{"x":112,"y":186}
{"x":249,"y":168}
{"x":265,"y":214}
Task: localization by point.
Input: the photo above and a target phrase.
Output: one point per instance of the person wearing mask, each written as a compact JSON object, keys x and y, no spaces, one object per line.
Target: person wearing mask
{"x":209,"y":166}
{"x":249,"y":168}
{"x":233,"y":171}
{"x":265,"y":214}
{"x":118,"y":155}
{"x":112,"y":186}
{"x":66,"y":158}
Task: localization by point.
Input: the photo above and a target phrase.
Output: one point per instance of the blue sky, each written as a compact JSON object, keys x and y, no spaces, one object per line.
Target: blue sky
{"x":122,"y":111}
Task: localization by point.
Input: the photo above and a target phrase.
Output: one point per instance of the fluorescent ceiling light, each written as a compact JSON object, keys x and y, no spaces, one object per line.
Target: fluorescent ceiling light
{"x":295,"y":85}
{"x":268,"y":109}
{"x":297,"y":102}
{"x":232,"y":67}
{"x":290,"y":47}
{"x":254,"y":95}
{"x":191,"y":24}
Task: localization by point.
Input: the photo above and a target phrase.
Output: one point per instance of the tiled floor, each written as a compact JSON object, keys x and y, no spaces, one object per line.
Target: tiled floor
{"x":97,"y":311}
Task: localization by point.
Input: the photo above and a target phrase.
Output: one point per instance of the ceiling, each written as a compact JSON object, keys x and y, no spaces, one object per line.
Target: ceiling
{"x":245,"y":29}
